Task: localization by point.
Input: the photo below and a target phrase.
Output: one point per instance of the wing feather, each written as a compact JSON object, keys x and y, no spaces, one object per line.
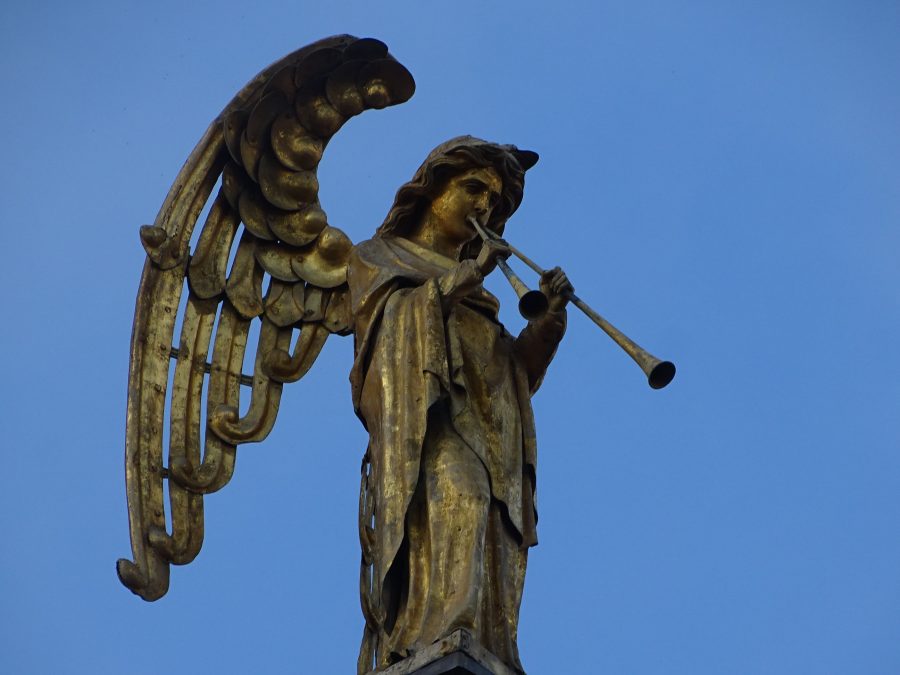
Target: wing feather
{"x":223,"y":390}
{"x":276,"y":261}
{"x":251,"y":205}
{"x":284,"y":304}
{"x":158,"y":298}
{"x":257,"y":423}
{"x":244,"y":287}
{"x":186,"y":507}
{"x":337,"y":314}
{"x":209,"y":263}
{"x":285,"y":367}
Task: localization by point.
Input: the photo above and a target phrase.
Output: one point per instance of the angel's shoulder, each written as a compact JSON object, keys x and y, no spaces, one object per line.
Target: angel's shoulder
{"x":370,"y":246}
{"x":375,"y":251}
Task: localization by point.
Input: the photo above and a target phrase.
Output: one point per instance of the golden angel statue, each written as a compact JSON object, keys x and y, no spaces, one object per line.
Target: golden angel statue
{"x":447,"y":509}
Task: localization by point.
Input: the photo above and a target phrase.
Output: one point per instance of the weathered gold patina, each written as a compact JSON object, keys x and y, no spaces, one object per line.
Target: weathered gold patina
{"x":447,"y":495}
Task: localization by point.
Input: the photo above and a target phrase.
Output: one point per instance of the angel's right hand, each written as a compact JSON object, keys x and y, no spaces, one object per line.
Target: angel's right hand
{"x":459,"y":282}
{"x":492,"y":250}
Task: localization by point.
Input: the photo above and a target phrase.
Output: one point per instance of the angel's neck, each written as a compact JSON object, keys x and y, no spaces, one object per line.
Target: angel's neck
{"x":433,"y":234}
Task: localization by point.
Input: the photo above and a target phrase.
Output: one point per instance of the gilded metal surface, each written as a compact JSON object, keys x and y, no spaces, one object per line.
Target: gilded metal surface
{"x":447,"y":489}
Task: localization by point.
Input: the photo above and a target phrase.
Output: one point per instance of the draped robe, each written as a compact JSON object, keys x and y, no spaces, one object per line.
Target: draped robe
{"x":444,"y":392}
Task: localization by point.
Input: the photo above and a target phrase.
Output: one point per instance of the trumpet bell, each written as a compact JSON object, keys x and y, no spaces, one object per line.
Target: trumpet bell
{"x":533,"y":305}
{"x":661,"y":374}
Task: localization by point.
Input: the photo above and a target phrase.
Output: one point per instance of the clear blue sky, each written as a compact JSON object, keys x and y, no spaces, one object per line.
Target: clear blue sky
{"x":721,"y":179}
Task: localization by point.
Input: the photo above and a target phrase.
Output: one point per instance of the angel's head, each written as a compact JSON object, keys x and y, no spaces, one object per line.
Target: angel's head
{"x":463,"y":160}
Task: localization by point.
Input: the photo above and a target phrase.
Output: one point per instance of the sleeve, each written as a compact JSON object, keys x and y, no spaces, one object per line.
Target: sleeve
{"x":536,"y":346}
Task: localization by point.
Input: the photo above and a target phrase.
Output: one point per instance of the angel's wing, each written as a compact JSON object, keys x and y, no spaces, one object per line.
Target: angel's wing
{"x":263,"y":150}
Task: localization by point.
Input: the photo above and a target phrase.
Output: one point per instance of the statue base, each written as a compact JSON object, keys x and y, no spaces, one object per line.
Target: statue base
{"x":457,"y":654}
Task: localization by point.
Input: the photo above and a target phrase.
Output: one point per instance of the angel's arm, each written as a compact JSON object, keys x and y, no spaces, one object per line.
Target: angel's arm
{"x":536,"y":344}
{"x":458,"y":283}
{"x":469,"y":274}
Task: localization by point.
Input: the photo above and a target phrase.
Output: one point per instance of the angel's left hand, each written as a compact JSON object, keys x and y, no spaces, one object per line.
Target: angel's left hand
{"x":557,"y":287}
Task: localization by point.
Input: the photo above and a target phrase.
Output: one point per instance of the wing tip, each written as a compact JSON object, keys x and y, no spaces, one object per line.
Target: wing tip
{"x":137,"y":582}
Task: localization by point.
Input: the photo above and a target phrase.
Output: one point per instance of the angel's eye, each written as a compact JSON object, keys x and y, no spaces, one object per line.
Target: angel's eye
{"x":473,"y":187}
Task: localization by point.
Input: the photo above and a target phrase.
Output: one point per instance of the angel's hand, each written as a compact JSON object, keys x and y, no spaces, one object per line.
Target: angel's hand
{"x":557,"y":287}
{"x":492,"y":250}
{"x":459,"y":282}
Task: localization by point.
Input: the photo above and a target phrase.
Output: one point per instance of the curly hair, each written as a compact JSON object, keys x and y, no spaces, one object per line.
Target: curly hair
{"x":451,"y":159}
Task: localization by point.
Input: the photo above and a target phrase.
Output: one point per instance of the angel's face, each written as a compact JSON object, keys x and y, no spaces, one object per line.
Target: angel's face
{"x":474,"y":192}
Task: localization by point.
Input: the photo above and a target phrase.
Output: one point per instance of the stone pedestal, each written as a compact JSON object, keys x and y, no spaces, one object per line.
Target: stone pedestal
{"x":456,"y":654}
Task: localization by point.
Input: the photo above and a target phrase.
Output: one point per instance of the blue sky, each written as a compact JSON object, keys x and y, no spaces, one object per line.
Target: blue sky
{"x":720,"y":179}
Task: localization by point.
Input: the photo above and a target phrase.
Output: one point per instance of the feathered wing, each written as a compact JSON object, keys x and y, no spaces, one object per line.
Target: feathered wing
{"x":263,"y":151}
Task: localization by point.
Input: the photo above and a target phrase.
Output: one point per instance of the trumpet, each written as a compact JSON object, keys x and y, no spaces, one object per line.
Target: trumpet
{"x":532,"y":304}
{"x":659,"y":373}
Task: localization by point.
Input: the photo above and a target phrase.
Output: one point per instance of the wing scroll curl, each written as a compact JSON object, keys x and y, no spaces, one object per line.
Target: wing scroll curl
{"x":262,"y":151}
